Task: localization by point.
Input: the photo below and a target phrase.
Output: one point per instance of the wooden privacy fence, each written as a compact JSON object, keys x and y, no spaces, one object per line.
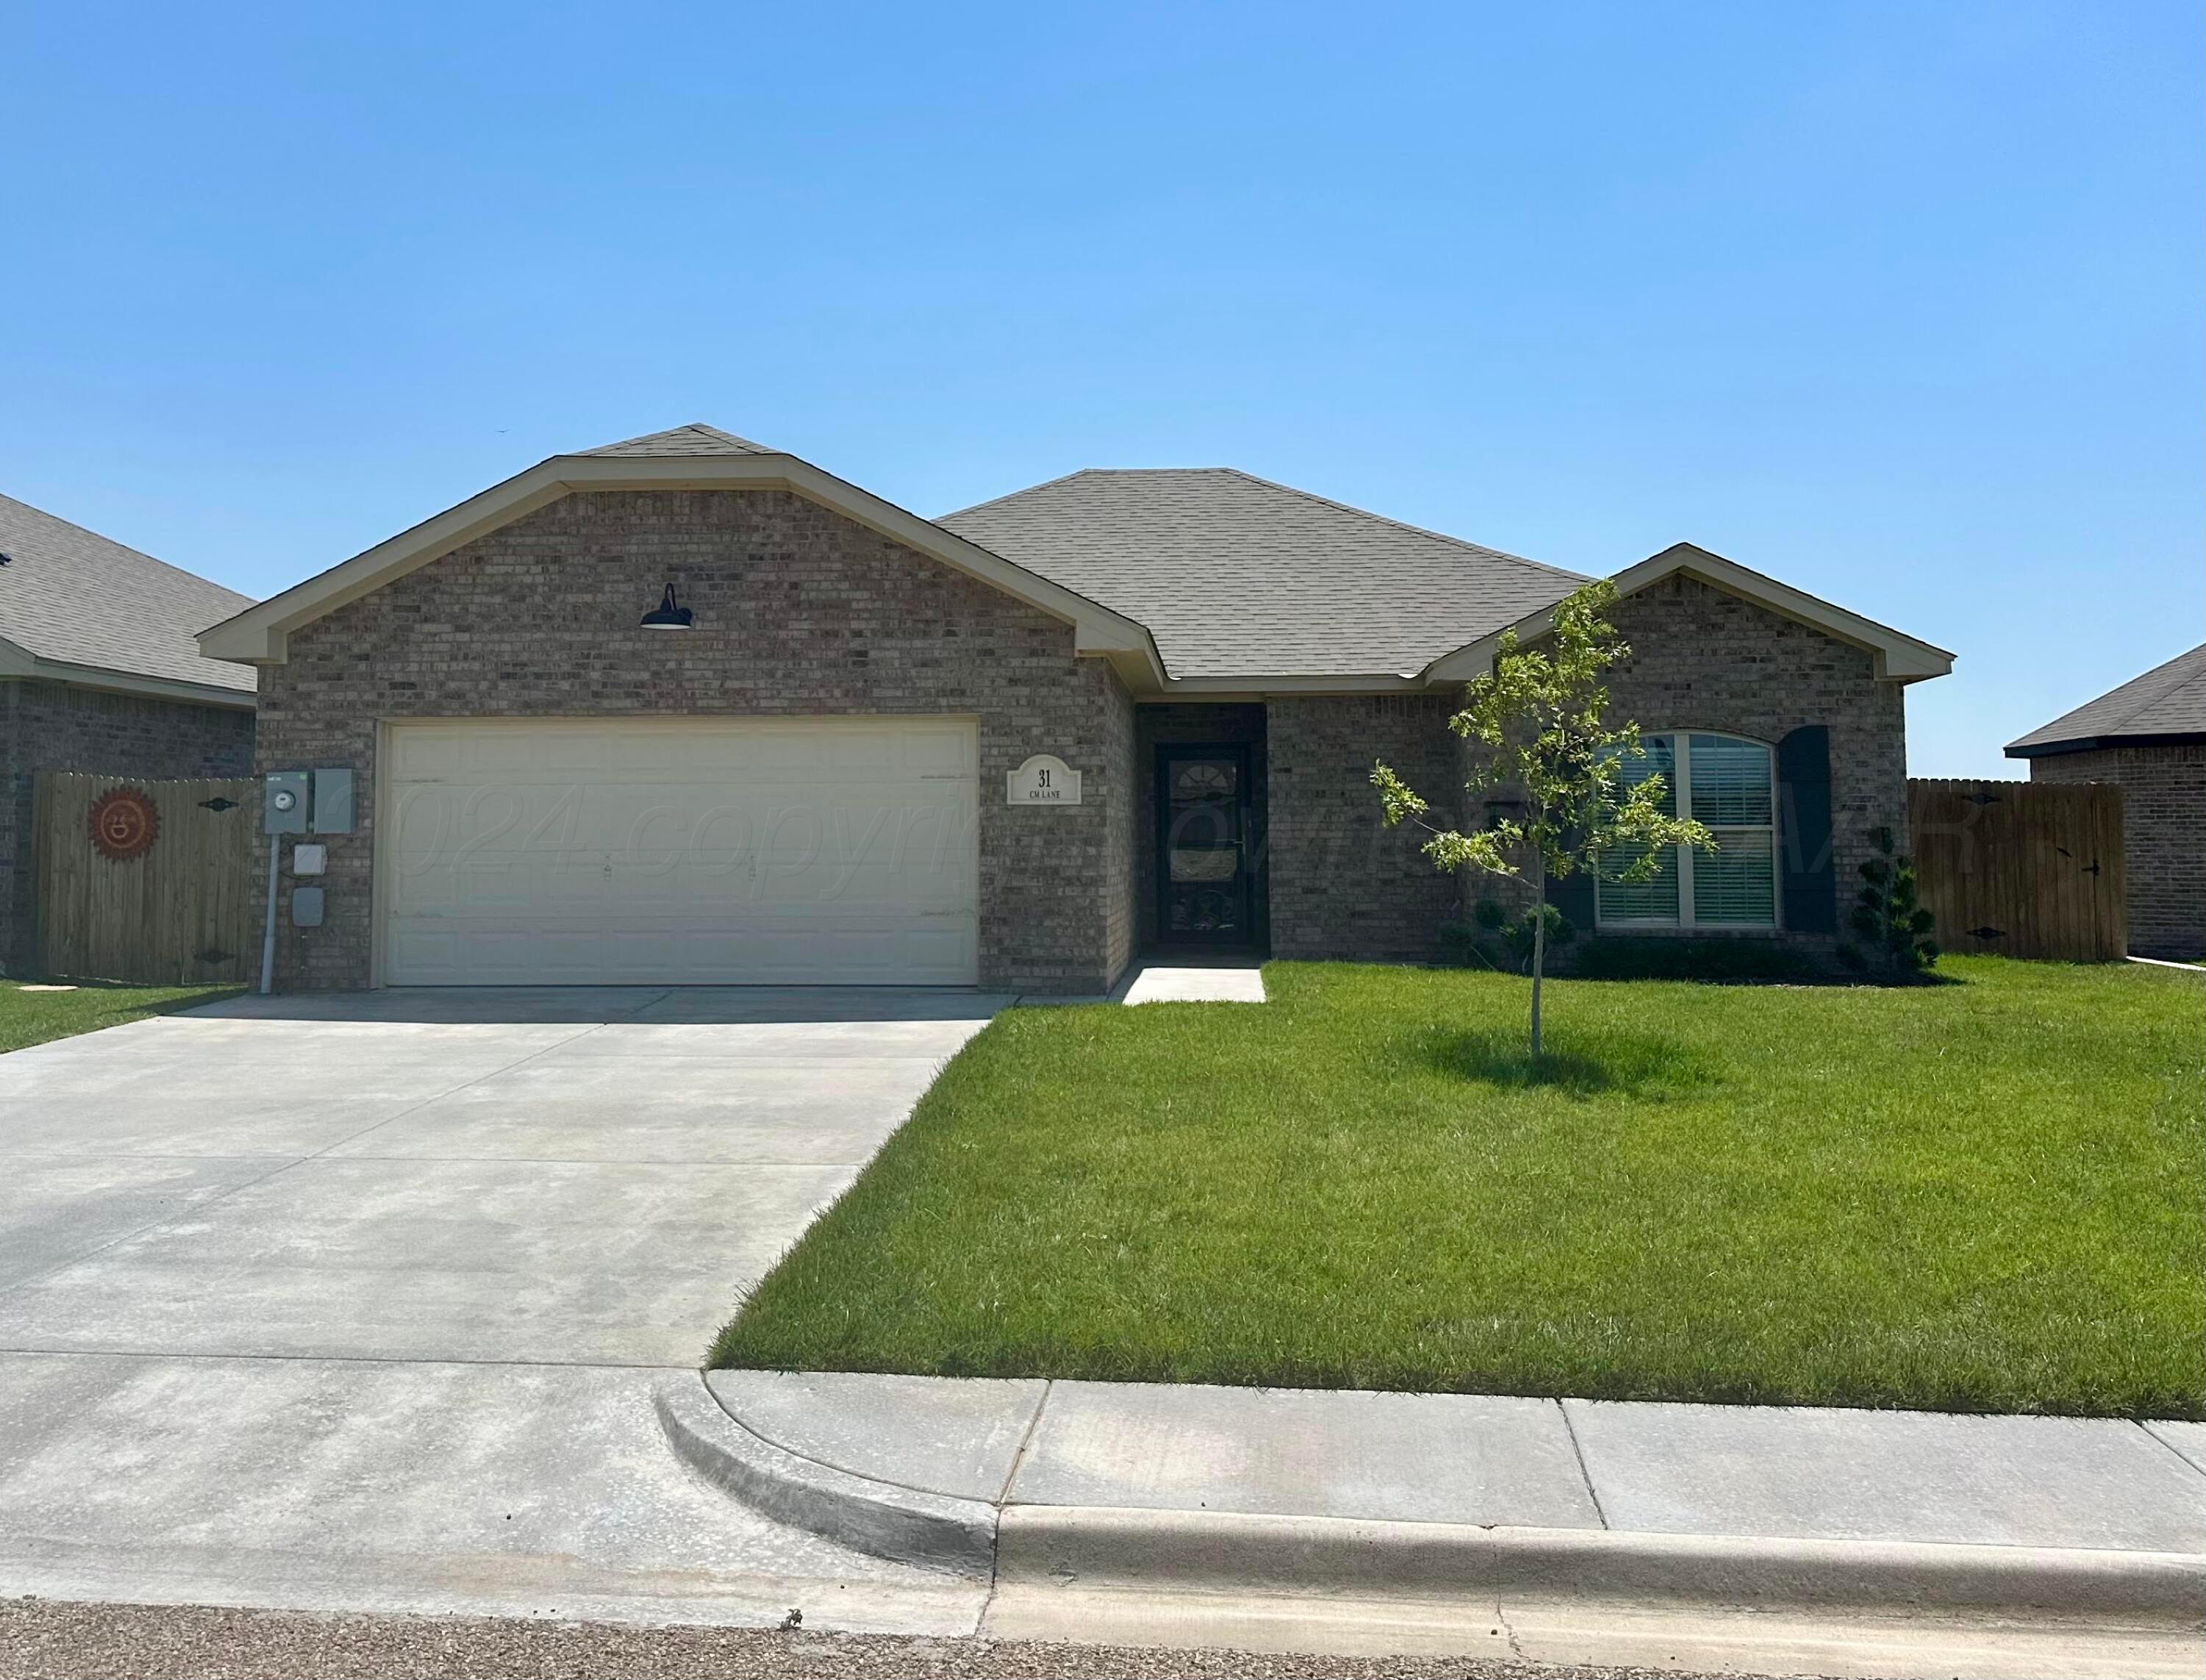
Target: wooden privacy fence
{"x":2022,"y":868}
{"x":145,"y":881}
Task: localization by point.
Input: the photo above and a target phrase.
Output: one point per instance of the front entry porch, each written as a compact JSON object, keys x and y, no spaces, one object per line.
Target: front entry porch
{"x":1200,"y":877}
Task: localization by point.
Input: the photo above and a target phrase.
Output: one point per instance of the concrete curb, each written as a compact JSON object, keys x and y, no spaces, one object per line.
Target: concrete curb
{"x":1038,"y":1546}
{"x":932,"y":1530}
{"x":1219,"y":1551}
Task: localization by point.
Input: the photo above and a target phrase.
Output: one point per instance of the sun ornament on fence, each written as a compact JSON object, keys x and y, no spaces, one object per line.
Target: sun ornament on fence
{"x":124,"y":824}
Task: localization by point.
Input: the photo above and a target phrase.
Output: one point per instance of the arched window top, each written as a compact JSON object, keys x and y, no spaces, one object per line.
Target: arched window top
{"x":1729,"y":783}
{"x":1733,"y":780}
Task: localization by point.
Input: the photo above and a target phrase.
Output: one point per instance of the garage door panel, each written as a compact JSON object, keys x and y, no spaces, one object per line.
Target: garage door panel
{"x":720,"y":852}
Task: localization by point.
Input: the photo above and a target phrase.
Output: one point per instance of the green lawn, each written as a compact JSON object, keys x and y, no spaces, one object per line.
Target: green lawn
{"x":1982,"y":1195}
{"x":32,"y":1018}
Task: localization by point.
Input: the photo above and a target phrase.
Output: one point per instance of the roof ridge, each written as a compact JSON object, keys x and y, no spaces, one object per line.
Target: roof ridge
{"x":1025,"y":490}
{"x":694,"y":429}
{"x":1401,"y":524}
{"x":1480,"y":549}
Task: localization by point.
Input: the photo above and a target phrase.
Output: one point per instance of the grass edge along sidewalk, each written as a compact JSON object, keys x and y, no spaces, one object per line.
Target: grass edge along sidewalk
{"x":1980,"y":1196}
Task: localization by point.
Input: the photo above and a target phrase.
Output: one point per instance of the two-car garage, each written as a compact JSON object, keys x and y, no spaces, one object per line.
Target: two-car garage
{"x":679,"y":851}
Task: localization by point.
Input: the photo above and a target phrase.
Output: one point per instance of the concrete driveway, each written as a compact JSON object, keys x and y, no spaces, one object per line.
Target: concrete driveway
{"x":358,"y":1301}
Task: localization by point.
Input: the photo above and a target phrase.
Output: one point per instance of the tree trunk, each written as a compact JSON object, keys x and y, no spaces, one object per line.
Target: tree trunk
{"x":1539,"y":949}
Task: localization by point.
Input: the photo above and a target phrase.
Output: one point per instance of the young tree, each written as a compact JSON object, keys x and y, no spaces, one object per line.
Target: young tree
{"x":1539,"y":715}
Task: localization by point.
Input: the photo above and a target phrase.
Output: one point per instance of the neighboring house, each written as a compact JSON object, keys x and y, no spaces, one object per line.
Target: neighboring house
{"x":2148,"y":738}
{"x":1007,"y":747}
{"x":98,"y":672}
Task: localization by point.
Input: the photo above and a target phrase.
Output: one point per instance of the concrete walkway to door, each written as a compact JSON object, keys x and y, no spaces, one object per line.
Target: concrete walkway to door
{"x":356,"y":1300}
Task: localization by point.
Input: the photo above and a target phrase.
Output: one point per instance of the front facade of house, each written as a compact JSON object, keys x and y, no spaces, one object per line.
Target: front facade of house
{"x":1012,"y":748}
{"x":2146,"y":737}
{"x":100,"y":673}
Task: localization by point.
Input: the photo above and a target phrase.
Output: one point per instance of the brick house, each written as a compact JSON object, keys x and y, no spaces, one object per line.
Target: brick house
{"x":2148,"y":738}
{"x":98,"y":672}
{"x":689,"y":709}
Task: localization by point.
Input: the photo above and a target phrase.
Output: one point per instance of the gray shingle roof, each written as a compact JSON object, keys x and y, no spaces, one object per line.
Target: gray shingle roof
{"x":70,"y":595}
{"x":2167,"y":701}
{"x":1236,"y":576}
{"x":684,"y":440}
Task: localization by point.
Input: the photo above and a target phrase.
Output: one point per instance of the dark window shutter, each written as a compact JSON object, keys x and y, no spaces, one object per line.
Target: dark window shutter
{"x":1803,"y":842}
{"x":1573,"y":895}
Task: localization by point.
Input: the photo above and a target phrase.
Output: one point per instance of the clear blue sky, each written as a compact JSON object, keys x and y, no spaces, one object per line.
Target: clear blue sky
{"x":1901,"y":303}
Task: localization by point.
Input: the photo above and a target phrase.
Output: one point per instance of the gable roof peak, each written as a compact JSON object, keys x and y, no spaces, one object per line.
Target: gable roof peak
{"x":696,"y":438}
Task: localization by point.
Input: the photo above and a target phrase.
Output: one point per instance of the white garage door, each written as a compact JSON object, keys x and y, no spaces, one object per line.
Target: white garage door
{"x":691,"y":851}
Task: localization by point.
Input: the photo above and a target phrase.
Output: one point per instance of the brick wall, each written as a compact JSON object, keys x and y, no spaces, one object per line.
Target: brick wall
{"x":1703,"y":660}
{"x":49,"y":726}
{"x":2163,"y":838}
{"x":1122,"y":831}
{"x":1342,"y":883}
{"x":800,"y":612}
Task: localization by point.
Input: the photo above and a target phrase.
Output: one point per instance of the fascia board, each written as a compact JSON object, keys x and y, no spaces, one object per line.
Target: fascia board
{"x":17,"y":662}
{"x":1256,"y":687}
{"x":257,"y":636}
{"x":2113,"y":740}
{"x":1899,"y":658}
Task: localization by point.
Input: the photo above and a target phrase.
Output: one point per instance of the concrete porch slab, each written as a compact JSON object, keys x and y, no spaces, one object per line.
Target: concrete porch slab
{"x":1197,"y":983}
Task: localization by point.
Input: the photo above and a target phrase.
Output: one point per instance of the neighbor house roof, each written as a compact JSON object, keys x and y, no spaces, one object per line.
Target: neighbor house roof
{"x":1237,"y":576}
{"x":2165,"y":707}
{"x":76,"y":607}
{"x":1187,"y":580}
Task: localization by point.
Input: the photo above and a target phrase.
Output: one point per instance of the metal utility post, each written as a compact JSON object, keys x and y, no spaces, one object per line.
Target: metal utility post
{"x":283,"y":811}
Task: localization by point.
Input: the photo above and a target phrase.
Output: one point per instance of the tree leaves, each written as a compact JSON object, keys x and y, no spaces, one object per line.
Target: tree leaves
{"x":1541,"y":714}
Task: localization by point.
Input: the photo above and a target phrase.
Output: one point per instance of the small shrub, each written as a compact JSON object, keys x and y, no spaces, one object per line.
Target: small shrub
{"x":1894,"y":928}
{"x":1493,"y":939}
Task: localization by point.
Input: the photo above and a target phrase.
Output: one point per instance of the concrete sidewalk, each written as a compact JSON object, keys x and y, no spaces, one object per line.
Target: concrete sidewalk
{"x":1757,"y":1471}
{"x":2044,"y":1525}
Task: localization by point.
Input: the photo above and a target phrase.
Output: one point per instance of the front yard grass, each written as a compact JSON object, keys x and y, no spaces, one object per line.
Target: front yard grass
{"x":1976,"y":1197}
{"x":29,"y":1017}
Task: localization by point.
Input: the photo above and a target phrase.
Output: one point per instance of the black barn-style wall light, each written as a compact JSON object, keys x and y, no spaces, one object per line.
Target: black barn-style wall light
{"x":668,"y":616}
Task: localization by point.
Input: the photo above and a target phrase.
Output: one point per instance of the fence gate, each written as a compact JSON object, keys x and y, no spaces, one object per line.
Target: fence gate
{"x":144,"y":881}
{"x":2022,"y":868}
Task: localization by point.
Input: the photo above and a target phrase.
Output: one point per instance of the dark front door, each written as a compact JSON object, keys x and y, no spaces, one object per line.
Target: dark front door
{"x":1204,"y":860}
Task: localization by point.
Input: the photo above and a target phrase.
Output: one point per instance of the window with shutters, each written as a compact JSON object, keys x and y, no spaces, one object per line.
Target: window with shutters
{"x":1729,"y":783}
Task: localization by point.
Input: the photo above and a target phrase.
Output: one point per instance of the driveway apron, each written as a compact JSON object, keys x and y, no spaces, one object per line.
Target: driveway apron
{"x":357,"y":1301}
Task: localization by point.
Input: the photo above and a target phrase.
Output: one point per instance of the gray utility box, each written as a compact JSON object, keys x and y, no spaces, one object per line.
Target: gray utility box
{"x":306,"y":907}
{"x":284,"y":803}
{"x":333,"y":802}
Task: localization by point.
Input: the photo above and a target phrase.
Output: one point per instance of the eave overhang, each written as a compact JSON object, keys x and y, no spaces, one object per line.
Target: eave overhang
{"x":19,"y":662}
{"x":1898,"y":658}
{"x":2100,"y":743}
{"x":260,"y":635}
